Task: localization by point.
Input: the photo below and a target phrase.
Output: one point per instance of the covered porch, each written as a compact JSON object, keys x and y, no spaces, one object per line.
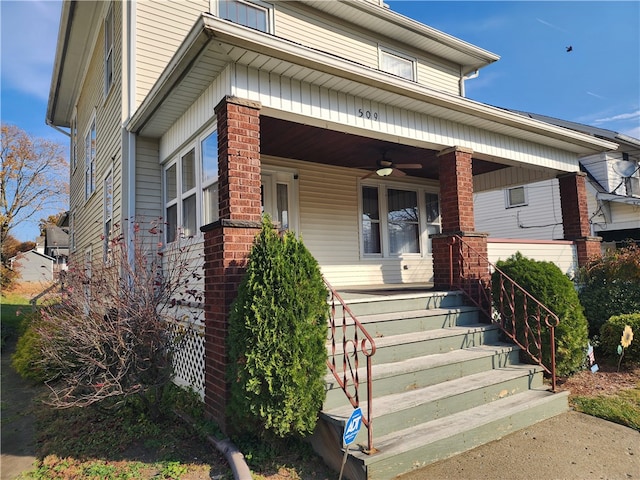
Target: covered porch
{"x":376,"y":173}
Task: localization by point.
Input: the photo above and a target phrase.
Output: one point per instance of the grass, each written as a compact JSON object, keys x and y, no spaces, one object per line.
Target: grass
{"x":12,"y":309}
{"x":622,"y":407}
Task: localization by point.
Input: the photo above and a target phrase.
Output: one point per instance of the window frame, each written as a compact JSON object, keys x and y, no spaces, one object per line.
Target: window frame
{"x":107,"y":215}
{"x":268,"y":8}
{"x":74,"y":141}
{"x":109,"y":38}
{"x":425,"y":227}
{"x":182,"y":196}
{"x":507,"y":197}
{"x":90,"y":153}
{"x":390,"y":52}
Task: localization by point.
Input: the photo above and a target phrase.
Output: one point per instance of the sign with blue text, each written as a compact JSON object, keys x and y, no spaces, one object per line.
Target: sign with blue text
{"x":352,"y":427}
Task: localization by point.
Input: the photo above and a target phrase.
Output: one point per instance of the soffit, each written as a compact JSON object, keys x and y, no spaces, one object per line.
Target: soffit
{"x":78,"y":24}
{"x":406,"y":30}
{"x":213,"y":43}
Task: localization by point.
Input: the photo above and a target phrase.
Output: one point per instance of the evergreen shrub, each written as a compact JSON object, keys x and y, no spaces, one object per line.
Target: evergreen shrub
{"x":276,"y":342}
{"x":610,"y":286}
{"x":611,"y":333}
{"x":546,"y":282}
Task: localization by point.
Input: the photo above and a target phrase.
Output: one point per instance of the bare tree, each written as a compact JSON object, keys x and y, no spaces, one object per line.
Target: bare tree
{"x":114,"y":332}
{"x":32,"y":178}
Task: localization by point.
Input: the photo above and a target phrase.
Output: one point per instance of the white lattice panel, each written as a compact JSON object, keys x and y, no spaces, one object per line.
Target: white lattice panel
{"x":188,"y":359}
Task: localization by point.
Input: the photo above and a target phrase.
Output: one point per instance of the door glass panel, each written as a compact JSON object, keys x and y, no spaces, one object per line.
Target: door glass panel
{"x":282,"y":200}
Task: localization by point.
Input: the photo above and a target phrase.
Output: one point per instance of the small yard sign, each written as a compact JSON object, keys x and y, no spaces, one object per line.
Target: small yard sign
{"x":352,"y":427}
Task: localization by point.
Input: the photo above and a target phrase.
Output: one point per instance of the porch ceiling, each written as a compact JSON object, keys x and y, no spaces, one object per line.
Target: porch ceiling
{"x":286,"y":139}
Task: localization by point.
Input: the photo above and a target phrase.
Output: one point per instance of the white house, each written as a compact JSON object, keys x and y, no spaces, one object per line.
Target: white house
{"x":344,"y":120}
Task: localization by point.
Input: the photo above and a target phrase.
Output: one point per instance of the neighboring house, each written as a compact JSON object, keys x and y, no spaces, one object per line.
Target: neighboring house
{"x":344,"y":120}
{"x":33,"y":266}
{"x":57,"y":246}
{"x":533,"y":210}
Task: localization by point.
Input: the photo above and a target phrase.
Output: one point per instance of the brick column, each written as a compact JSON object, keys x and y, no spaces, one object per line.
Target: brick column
{"x":456,"y":210}
{"x":575,"y":216}
{"x":228,"y":241}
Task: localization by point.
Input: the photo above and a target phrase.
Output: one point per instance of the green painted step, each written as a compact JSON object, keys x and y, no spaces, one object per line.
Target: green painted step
{"x":415,"y":373}
{"x":408,"y":321}
{"x":416,"y":344}
{"x":369,"y":304}
{"x":410,"y":448}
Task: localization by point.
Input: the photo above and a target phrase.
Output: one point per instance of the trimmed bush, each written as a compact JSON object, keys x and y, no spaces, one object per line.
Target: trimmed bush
{"x":546,"y":282}
{"x":277,"y":335}
{"x":611,"y":333}
{"x":610,"y":286}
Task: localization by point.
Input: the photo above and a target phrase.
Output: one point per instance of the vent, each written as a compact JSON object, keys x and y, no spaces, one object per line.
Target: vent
{"x":633,"y":186}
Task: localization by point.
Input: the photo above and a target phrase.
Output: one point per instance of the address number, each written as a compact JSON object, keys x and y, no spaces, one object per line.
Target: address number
{"x":368,"y":114}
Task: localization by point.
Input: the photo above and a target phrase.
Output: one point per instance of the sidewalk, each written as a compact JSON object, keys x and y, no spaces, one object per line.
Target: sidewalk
{"x":571,"y":446}
{"x":18,"y":430}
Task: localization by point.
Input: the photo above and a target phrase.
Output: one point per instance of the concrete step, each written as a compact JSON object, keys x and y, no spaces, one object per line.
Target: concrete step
{"x":409,"y":321}
{"x":417,"y":344}
{"x":400,"y":410}
{"x":416,"y":446}
{"x":376,"y":302}
{"x":416,"y":373}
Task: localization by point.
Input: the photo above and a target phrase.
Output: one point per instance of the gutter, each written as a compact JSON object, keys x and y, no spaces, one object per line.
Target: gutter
{"x":209,"y":28}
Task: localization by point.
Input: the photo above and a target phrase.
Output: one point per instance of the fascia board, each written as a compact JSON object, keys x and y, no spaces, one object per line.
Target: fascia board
{"x":213,"y":29}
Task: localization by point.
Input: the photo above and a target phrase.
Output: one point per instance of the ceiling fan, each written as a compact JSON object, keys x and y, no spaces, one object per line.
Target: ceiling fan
{"x":385,"y":168}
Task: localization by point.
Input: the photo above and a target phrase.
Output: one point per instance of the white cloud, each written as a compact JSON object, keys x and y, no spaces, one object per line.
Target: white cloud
{"x":29,"y":34}
{"x":595,"y":95}
{"x":551,"y":25}
{"x":619,"y":117}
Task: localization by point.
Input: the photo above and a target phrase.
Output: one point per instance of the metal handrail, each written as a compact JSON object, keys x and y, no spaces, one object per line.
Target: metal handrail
{"x":504,"y":309}
{"x":350,"y":341}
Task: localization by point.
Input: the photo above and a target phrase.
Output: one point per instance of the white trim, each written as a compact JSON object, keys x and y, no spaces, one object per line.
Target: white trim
{"x":90,"y":164}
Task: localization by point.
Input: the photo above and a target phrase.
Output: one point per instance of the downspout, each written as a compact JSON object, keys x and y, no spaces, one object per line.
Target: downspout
{"x":471,"y":76}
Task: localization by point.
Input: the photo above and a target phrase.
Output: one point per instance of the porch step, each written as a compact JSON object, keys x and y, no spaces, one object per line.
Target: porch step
{"x":410,"y":321}
{"x":419,"y":445}
{"x":411,"y":345}
{"x":442,"y":383}
{"x":400,"y":410}
{"x":415,"y":373}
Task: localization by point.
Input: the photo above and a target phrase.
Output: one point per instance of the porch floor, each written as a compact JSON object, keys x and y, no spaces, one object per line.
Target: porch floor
{"x":354,"y":292}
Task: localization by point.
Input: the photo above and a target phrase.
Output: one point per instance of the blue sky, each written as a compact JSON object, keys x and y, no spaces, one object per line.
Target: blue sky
{"x":598,"y":83}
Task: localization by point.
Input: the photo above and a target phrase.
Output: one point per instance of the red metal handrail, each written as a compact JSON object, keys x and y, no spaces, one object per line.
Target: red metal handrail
{"x":344,"y":361}
{"x":470,"y":276}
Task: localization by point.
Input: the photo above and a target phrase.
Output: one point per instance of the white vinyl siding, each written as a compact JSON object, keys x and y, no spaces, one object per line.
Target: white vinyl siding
{"x":541,"y":219}
{"x":86,"y":184}
{"x":160,"y":29}
{"x":329,"y":226}
{"x":345,"y":40}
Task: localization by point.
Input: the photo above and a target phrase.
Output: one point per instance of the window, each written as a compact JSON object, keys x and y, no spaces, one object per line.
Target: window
{"x":108,"y":216}
{"x":108,"y":51}
{"x":279,"y":197}
{"x":397,"y":64}
{"x":74,"y":143}
{"x":209,"y":148}
{"x":515,"y":197}
{"x":72,"y":228}
{"x":250,"y":13}
{"x":370,"y":220}
{"x":397,"y":221}
{"x":90,"y":160}
{"x":191,"y":188}
{"x":402,"y":221}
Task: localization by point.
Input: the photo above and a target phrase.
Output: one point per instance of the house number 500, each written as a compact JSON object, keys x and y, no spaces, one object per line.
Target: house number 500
{"x":368,"y":114}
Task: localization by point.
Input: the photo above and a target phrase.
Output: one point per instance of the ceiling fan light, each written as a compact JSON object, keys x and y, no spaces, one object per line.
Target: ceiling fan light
{"x":384,"y":171}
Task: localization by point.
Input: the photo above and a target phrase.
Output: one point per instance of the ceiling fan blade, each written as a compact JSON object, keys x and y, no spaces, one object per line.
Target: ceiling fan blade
{"x":407,"y":165}
{"x":398,"y":173}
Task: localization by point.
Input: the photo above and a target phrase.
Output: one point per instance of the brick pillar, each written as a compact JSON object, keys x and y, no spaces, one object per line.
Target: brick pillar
{"x":228,"y":241}
{"x":575,"y":216}
{"x":456,"y":210}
